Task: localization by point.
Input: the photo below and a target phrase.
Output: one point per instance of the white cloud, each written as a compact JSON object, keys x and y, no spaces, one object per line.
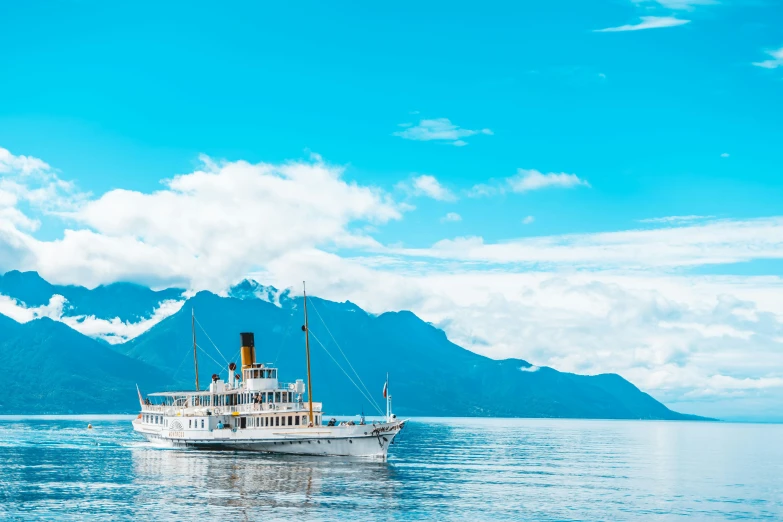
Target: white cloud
{"x":527,"y":180}
{"x":528,"y":219}
{"x":683,"y":5}
{"x":438,"y":129}
{"x":33,"y":181}
{"x":113,"y":331}
{"x":21,"y":313}
{"x":773,"y":63}
{"x":647,"y":22}
{"x":23,"y":164}
{"x":725,"y":155}
{"x":451,"y":217}
{"x":713,"y":242}
{"x":429,"y":186}
{"x":675,"y":219}
{"x":204,"y":229}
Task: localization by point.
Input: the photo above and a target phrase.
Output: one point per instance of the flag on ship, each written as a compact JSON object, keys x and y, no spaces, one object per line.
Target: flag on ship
{"x":141,"y":401}
{"x":385,"y":388}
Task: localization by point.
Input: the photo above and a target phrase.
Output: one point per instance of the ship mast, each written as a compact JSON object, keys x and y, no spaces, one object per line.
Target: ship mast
{"x":193,"y":329}
{"x":307,"y":351}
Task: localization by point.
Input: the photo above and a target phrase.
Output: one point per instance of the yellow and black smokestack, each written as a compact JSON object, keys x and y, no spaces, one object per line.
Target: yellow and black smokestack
{"x":248,"y":350}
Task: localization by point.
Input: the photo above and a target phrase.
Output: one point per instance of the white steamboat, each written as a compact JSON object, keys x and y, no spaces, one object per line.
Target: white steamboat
{"x":253,"y":411}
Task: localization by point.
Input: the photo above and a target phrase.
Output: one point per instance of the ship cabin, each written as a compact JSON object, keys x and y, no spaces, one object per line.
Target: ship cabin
{"x":253,"y":399}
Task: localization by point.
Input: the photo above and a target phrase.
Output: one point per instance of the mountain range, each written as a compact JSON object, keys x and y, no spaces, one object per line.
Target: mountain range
{"x":55,"y":369}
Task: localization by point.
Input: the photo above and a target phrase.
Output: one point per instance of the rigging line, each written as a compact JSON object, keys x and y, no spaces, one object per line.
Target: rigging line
{"x":341,"y":350}
{"x":182,"y":361}
{"x":207,"y":354}
{"x":369,"y":399}
{"x":287,"y":333}
{"x":210,"y":340}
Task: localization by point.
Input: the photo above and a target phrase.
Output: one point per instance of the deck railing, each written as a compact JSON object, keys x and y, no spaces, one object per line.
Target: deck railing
{"x":268,"y":407}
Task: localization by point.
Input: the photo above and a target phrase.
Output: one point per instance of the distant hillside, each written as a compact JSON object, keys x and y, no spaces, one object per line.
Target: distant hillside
{"x":429,"y":375}
{"x":51,"y":368}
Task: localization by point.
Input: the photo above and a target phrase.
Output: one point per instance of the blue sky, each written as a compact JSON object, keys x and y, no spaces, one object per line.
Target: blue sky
{"x":494,"y":143}
{"x":120,"y":96}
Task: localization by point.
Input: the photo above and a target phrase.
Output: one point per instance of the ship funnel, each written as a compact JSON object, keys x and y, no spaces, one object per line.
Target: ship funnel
{"x":248,"y":350}
{"x":231,"y":367}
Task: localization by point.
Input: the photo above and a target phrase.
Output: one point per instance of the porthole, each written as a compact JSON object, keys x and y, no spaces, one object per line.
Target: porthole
{"x":349,"y":440}
{"x":319,"y":442}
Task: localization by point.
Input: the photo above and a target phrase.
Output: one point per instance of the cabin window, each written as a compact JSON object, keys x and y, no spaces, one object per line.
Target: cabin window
{"x":296,"y":420}
{"x":190,"y":423}
{"x":277,"y":421}
{"x":290,"y":421}
{"x":304,"y":420}
{"x":277,"y":396}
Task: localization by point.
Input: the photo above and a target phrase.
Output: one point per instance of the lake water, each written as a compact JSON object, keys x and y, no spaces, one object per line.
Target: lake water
{"x":442,"y":469}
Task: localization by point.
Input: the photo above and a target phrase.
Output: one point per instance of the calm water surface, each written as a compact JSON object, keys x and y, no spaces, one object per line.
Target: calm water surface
{"x":442,"y":469}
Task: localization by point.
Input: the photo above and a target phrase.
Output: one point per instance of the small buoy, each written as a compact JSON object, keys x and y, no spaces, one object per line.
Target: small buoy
{"x":89,"y":426}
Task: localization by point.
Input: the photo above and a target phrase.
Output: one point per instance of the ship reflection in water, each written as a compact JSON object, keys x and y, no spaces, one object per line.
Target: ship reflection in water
{"x":252,"y":484}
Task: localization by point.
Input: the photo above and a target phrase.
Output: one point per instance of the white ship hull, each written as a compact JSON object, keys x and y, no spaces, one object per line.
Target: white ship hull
{"x":369,"y":441}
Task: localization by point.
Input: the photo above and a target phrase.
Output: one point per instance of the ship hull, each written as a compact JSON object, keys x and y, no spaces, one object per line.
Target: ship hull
{"x":368,"y":441}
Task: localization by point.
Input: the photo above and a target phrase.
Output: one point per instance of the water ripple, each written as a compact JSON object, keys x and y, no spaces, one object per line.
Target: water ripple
{"x":443,"y":469}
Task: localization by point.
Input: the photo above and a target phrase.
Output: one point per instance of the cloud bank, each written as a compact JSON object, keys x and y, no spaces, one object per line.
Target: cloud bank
{"x":113,"y":331}
{"x":629,"y":301}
